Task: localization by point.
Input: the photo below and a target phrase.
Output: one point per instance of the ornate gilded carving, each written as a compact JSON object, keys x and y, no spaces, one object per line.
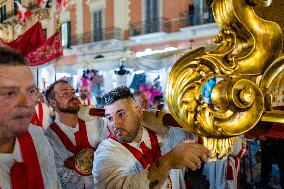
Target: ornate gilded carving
{"x":249,"y":49}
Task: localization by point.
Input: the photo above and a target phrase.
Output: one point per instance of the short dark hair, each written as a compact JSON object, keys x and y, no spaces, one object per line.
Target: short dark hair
{"x":9,"y":57}
{"x":117,"y":94}
{"x":49,"y":93}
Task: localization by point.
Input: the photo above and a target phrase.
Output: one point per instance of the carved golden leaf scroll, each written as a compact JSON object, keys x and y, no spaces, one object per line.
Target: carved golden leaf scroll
{"x":249,"y":49}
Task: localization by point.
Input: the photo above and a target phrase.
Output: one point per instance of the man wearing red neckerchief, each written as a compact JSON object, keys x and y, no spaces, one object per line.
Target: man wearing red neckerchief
{"x":74,"y":141}
{"x":26,"y":157}
{"x":84,"y":96}
{"x":42,"y":114}
{"x":136,"y":157}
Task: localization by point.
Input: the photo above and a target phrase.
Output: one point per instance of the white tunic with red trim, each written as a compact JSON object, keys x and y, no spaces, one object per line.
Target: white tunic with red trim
{"x":116,"y":167}
{"x":42,"y":116}
{"x":70,"y":178}
{"x":223,"y":174}
{"x":45,"y":160}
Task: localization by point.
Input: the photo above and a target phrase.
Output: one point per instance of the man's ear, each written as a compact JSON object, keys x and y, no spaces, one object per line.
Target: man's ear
{"x":37,"y":95}
{"x":52,"y":103}
{"x":139,"y":110}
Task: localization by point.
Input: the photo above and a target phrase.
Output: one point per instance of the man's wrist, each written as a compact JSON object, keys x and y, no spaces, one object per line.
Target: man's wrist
{"x":168,"y":160}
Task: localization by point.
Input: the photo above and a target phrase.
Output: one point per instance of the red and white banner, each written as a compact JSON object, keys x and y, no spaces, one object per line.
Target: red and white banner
{"x":42,"y":3}
{"x":35,"y":47}
{"x":49,"y":50}
{"x":30,"y":40}
{"x":61,"y":5}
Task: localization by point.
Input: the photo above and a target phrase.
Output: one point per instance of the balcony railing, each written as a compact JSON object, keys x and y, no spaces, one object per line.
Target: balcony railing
{"x":97,"y":35}
{"x":155,"y":25}
{"x":151,"y":26}
{"x":166,"y":25}
{"x":193,"y":19}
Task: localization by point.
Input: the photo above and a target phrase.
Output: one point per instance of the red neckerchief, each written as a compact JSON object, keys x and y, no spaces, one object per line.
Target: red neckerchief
{"x":149,"y":156}
{"x":81,"y":137}
{"x":82,"y":102}
{"x":230,"y":172}
{"x":27,"y":174}
{"x":38,"y":120}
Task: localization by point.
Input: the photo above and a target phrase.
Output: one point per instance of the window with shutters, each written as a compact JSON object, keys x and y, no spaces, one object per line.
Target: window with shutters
{"x":98,"y":25}
{"x":152,"y":16}
{"x":66,"y":34}
{"x":16,"y":6}
{"x":3,"y":14}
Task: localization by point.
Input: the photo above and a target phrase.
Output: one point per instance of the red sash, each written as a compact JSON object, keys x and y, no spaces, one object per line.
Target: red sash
{"x":89,"y":102}
{"x":27,"y":174}
{"x":82,"y":102}
{"x":149,"y":156}
{"x":230,"y":172}
{"x":38,"y":120}
{"x":81,"y":137}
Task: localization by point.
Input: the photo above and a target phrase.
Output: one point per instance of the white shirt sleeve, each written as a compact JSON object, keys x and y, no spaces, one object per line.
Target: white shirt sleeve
{"x":115,"y":167}
{"x":111,"y":170}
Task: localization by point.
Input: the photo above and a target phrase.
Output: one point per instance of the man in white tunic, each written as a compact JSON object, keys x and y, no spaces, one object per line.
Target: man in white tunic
{"x":26,"y":157}
{"x":84,"y":96}
{"x":223,"y":174}
{"x":73,"y":139}
{"x":135,"y":157}
{"x":42,"y":115}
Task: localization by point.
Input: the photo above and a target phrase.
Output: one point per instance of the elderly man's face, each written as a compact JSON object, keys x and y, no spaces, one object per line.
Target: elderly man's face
{"x":124,"y":117}
{"x":18,"y":96}
{"x":64,"y":99}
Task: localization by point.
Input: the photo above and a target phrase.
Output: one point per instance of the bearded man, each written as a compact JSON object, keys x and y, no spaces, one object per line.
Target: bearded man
{"x":136,"y":157}
{"x":74,"y":140}
{"x":84,"y":96}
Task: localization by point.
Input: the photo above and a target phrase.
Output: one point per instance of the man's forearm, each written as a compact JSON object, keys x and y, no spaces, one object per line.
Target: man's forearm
{"x":159,"y":171}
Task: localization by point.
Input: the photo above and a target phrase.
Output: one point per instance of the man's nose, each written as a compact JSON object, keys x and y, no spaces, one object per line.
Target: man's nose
{"x":117,"y":123}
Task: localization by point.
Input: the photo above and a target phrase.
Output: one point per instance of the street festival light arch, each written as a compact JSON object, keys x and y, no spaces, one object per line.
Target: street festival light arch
{"x":248,"y":59}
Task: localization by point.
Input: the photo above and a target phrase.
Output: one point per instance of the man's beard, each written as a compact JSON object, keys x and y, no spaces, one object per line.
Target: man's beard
{"x":72,"y":108}
{"x":129,"y":136}
{"x":126,"y":138}
{"x":83,"y":97}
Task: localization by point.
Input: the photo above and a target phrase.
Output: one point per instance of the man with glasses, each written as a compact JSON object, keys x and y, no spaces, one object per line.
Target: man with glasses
{"x":74,"y":140}
{"x":26,"y":157}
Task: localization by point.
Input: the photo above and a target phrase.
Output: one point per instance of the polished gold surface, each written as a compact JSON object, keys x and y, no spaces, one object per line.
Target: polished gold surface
{"x":273,"y":116}
{"x":84,"y":161}
{"x":247,"y":60}
{"x":219,"y":147}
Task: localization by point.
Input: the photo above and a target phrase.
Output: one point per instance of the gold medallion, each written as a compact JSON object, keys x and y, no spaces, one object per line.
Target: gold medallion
{"x":84,"y":161}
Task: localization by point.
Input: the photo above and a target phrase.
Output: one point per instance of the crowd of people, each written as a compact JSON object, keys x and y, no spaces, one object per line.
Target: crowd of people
{"x":56,"y":142}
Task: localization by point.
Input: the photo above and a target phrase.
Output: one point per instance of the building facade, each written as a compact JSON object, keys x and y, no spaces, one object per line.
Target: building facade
{"x":97,"y":34}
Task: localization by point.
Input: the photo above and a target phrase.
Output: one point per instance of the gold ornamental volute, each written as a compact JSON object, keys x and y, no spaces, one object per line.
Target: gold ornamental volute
{"x":246,"y":62}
